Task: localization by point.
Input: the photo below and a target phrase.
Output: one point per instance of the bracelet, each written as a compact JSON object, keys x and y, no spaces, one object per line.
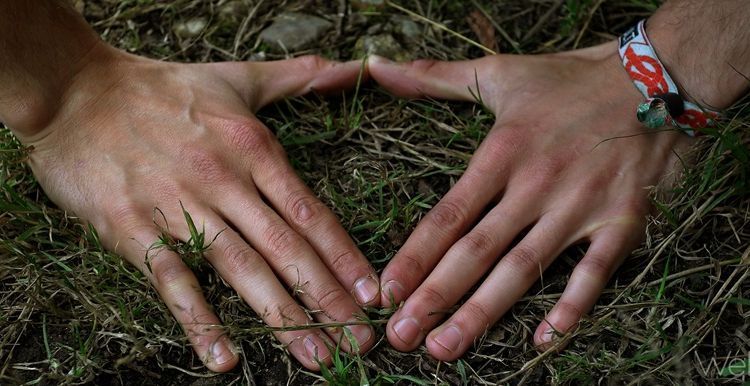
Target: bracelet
{"x":664,"y":106}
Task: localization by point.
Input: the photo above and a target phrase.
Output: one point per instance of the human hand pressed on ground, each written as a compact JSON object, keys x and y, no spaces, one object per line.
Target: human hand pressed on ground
{"x":133,"y":134}
{"x":566,"y":162}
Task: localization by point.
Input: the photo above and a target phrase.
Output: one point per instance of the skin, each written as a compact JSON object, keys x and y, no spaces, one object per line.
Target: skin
{"x":566,"y":162}
{"x":114,"y":136}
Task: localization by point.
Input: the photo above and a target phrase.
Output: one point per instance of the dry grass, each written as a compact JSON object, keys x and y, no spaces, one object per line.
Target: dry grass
{"x":71,"y":313}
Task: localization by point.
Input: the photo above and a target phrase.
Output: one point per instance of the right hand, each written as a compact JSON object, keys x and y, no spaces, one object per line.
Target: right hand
{"x":133,"y":134}
{"x":545,"y":177}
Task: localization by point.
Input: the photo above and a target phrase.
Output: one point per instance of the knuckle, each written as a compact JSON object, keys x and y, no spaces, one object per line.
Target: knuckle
{"x":344,"y":261}
{"x":476,"y":243}
{"x":434,"y":296}
{"x":205,"y":165}
{"x":596,"y":265}
{"x":248,"y":137}
{"x":333,"y":299}
{"x":302,"y":207}
{"x":127,"y":218}
{"x":476,"y":314}
{"x":550,"y":167}
{"x":122,"y":213}
{"x":285,"y":314}
{"x":238,"y":259}
{"x":279,"y":239}
{"x":524,"y":258}
{"x":543,"y":175}
{"x":163,"y":190}
{"x":167,"y":273}
{"x":448,"y":215}
{"x":412,"y":265}
{"x":505,"y":143}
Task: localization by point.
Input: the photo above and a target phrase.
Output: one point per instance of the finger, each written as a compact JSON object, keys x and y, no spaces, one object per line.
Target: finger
{"x":318,"y":225}
{"x":295,"y":262}
{"x":439,"y":229}
{"x":463,"y":265}
{"x":179,"y":289}
{"x":262,"y":83}
{"x":253,"y":279}
{"x":431,"y":78}
{"x":507,"y":282}
{"x":301,"y":209}
{"x":606,"y":253}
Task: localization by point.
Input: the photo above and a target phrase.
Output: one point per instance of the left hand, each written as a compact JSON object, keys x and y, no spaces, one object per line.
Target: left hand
{"x":133,"y":134}
{"x":553,"y":165}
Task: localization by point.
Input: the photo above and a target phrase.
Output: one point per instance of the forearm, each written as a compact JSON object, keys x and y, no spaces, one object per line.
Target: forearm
{"x":705,"y":46}
{"x":43,"y":44}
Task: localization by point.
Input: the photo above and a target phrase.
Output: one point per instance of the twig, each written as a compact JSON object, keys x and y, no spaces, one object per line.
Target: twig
{"x":442,"y":27}
{"x":588,"y":21}
{"x":542,"y":20}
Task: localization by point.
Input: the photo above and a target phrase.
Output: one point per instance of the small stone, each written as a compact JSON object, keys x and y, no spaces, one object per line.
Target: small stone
{"x":368,"y":5}
{"x":294,"y":31}
{"x":232,"y":9}
{"x":190,"y":28}
{"x":383,"y":45}
{"x":406,"y":28}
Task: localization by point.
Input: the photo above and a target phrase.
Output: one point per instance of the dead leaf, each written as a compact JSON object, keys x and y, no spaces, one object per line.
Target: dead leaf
{"x":483,"y":29}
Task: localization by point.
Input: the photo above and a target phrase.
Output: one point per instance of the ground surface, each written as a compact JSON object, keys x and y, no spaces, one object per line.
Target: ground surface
{"x":674,"y":314}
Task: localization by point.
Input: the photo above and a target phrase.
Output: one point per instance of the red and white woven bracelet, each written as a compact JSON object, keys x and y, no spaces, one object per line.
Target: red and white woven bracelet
{"x":663,"y":105}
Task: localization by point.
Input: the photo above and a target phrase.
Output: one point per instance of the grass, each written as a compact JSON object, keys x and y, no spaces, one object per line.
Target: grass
{"x":73,"y":313}
{"x":191,"y":250}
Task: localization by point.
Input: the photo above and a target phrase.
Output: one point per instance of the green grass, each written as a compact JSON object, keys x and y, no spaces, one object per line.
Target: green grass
{"x":191,"y":250}
{"x":71,"y":312}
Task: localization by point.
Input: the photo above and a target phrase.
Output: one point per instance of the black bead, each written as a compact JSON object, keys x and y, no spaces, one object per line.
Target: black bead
{"x":674,"y":103}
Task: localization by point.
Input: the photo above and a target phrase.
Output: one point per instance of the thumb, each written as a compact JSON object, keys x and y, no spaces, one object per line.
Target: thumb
{"x":459,"y":80}
{"x":265,"y":82}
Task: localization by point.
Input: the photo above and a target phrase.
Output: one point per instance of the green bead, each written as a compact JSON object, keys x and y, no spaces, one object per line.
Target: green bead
{"x":652,"y":115}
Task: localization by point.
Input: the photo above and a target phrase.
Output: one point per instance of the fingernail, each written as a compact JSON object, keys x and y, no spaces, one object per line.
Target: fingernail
{"x":393,"y":290}
{"x":450,"y":338}
{"x":366,"y":289}
{"x":362,"y":333}
{"x":407,"y":329}
{"x":547,"y":339}
{"x":314,"y":346}
{"x":547,"y":336}
{"x":222,"y":351}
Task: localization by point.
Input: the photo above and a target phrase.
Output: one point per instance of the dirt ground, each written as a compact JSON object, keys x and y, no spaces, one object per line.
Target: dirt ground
{"x":71,"y":313}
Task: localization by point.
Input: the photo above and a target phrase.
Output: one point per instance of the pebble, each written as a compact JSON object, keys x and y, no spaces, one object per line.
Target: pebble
{"x":232,"y":9}
{"x":191,"y":28}
{"x":407,"y":28}
{"x":293,"y":31}
{"x":384,"y":45}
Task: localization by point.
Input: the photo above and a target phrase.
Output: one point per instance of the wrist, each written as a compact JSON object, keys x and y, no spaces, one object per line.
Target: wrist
{"x":624,"y":100}
{"x":703,"y":67}
{"x":32,"y":109}
{"x":39,"y":59}
{"x":620,"y":97}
